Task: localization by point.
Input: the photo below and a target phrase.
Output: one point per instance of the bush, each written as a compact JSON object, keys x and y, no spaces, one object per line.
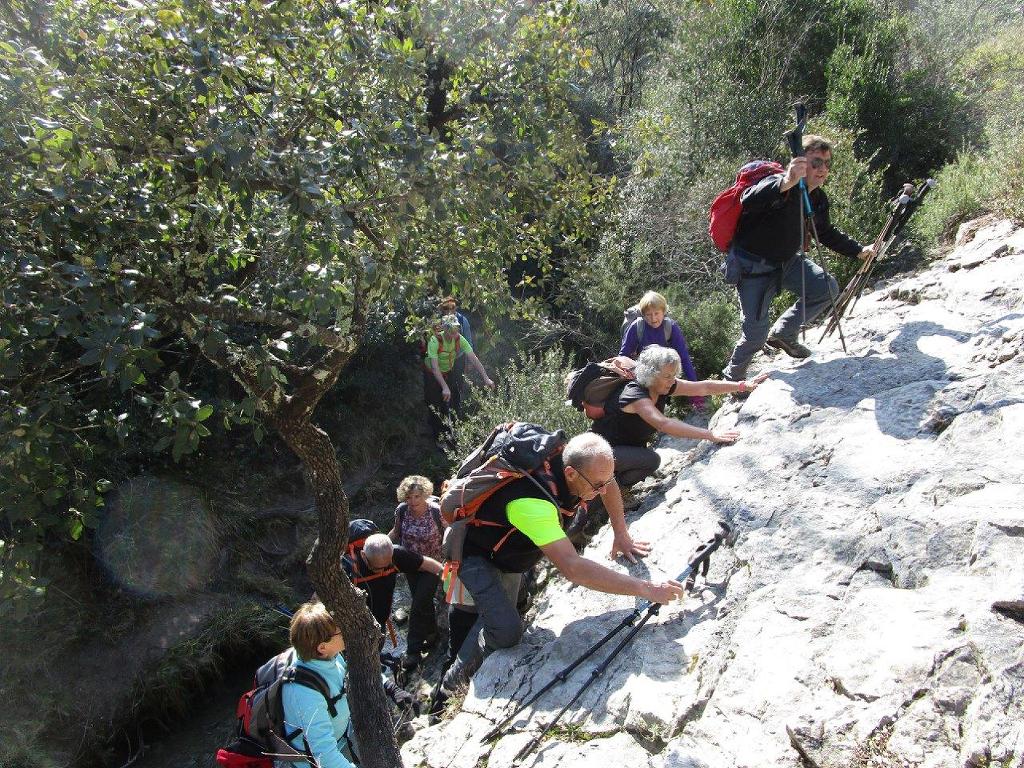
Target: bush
{"x":531,"y":390}
{"x":711,"y":327}
{"x":964,"y":191}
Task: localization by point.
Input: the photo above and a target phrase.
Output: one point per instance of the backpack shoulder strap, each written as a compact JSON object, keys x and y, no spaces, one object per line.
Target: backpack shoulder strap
{"x":435,"y":512}
{"x":307,"y":678}
{"x":400,"y":518}
{"x":668,"y":322}
{"x":638,"y":328}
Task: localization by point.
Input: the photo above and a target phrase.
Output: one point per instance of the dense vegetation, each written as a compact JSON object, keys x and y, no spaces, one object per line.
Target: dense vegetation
{"x":219,"y":216}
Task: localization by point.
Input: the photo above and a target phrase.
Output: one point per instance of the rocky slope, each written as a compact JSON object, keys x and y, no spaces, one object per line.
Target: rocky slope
{"x":871,"y":611}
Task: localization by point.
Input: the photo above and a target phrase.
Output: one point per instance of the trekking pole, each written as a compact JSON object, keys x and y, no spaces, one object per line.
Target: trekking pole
{"x":699,"y":561}
{"x":796,"y":149}
{"x":903,"y":208}
{"x":859,"y":278}
{"x":828,"y":278}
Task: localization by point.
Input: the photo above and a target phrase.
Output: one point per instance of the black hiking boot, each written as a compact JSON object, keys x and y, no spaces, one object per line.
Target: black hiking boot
{"x":791,"y":347}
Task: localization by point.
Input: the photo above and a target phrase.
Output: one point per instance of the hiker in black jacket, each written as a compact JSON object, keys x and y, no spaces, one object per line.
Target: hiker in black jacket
{"x":766,"y":256}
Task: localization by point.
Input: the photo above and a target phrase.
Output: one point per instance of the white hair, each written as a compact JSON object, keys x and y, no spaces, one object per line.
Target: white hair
{"x":582,"y":450}
{"x":378,"y":547}
{"x":651,"y":361}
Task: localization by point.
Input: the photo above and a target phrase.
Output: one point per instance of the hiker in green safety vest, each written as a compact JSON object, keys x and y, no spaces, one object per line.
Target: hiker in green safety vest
{"x":441,"y":391}
{"x":526,"y":527}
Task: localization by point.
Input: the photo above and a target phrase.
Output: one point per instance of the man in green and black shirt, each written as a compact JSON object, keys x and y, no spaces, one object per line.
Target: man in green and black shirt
{"x":529,"y":527}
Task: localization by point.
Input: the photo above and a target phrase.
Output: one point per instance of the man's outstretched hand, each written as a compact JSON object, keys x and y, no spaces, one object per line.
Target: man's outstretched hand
{"x":629,"y":548}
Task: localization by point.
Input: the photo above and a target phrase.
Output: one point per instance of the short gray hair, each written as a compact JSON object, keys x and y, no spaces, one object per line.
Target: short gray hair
{"x":651,"y":361}
{"x":377,"y":547}
{"x":583,"y":449}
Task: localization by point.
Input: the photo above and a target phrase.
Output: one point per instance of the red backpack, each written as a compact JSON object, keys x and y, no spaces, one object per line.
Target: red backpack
{"x":727,"y":207}
{"x":263,"y":735}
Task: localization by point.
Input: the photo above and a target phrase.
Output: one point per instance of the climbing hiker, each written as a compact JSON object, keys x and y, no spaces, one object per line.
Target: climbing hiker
{"x":325,"y":724}
{"x":442,"y":393}
{"x":373,"y":562}
{"x":635,"y":412}
{"x":418,"y":528}
{"x":767,"y":254}
{"x":648,"y":324}
{"x":519,"y":523}
{"x":449,"y":307}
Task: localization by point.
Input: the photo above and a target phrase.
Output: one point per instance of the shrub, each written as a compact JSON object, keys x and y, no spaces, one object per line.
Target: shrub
{"x":964,"y":191}
{"x":531,"y":389}
{"x":711,"y":327}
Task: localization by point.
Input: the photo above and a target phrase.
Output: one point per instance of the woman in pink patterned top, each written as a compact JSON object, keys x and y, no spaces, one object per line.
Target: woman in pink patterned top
{"x":418,"y":527}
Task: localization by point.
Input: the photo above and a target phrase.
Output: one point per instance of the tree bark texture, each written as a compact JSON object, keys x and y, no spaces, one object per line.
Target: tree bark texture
{"x":370,"y":715}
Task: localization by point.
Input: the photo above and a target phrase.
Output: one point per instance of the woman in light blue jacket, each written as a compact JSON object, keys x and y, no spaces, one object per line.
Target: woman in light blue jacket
{"x":325,"y":725}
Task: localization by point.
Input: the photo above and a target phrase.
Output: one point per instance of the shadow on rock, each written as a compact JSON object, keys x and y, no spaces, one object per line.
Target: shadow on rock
{"x":901,"y":381}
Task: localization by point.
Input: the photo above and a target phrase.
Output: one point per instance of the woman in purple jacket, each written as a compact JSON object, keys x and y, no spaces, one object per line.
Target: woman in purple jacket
{"x":654,"y":328}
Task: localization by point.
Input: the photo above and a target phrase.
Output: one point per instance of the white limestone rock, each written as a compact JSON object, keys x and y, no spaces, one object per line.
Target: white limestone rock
{"x":871,"y":611}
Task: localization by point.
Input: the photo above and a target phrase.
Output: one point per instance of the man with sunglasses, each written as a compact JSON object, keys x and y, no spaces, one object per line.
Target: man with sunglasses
{"x":767,"y":255}
{"x":522,"y":523}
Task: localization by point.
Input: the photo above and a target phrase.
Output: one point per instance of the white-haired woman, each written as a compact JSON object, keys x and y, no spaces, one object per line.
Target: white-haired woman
{"x":636,"y":413}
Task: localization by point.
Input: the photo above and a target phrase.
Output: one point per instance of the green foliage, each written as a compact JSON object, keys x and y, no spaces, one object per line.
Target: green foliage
{"x":912,"y":116}
{"x":964,"y":191}
{"x":204,"y":204}
{"x":531,"y":389}
{"x":711,"y":327}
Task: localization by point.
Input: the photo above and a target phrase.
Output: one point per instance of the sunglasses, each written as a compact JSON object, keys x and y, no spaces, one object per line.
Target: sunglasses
{"x":817,"y":163}
{"x":597,"y":488}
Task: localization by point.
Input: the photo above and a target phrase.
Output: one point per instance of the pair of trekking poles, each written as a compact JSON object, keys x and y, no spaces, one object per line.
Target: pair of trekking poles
{"x":700,"y":561}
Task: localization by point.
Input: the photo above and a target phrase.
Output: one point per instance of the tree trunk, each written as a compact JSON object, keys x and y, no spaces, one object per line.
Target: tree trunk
{"x":370,"y":713}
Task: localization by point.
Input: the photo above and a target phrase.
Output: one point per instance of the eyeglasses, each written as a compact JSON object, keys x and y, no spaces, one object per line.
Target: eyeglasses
{"x":597,"y":488}
{"x":817,"y":163}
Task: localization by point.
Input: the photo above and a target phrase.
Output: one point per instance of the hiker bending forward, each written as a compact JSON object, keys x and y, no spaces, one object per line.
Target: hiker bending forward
{"x":532,"y":528}
{"x":374,"y":567}
{"x":766,"y":255}
{"x":635,"y":413}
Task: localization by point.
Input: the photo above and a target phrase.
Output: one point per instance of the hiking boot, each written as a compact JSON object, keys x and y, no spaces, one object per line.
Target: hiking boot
{"x":438,"y":704}
{"x":791,"y":347}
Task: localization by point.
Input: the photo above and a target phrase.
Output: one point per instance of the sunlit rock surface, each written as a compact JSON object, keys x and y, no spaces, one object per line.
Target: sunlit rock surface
{"x":871,"y":612}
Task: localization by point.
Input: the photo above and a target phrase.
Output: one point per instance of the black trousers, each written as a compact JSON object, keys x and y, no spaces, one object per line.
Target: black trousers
{"x":438,"y":410}
{"x":460,"y":621}
{"x":422,"y":618}
{"x":634,"y":463}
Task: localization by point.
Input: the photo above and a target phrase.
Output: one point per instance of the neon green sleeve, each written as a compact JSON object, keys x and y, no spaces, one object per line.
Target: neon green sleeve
{"x":464,"y":344}
{"x":537,"y":519}
{"x":431,"y":349}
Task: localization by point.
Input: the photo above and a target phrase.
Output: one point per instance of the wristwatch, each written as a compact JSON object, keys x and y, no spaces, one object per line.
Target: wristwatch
{"x":742,"y":386}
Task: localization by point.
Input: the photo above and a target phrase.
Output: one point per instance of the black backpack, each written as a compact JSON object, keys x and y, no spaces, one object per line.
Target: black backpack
{"x":263,"y":736}
{"x":588,"y":388}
